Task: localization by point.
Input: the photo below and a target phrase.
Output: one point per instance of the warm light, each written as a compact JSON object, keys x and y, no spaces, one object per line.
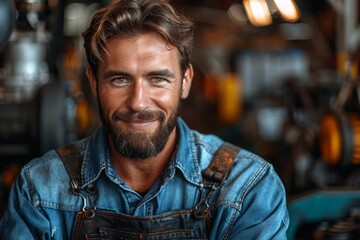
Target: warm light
{"x":257,"y":12}
{"x":288,"y":10}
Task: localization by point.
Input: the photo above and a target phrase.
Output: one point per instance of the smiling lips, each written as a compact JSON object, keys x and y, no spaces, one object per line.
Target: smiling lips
{"x":139,"y":123}
{"x":139,"y":120}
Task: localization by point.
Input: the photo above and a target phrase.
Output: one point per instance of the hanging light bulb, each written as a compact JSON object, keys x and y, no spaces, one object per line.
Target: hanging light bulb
{"x":258,"y":12}
{"x":288,"y":10}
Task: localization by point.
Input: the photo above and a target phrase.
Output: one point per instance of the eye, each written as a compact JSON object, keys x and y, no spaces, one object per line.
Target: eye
{"x":120,"y":81}
{"x":158,"y":80}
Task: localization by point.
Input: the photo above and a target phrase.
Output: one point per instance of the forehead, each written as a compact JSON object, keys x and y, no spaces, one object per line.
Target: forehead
{"x":145,"y":46}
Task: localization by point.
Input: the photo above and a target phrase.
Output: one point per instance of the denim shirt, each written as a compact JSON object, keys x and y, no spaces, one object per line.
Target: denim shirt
{"x":251,"y":204}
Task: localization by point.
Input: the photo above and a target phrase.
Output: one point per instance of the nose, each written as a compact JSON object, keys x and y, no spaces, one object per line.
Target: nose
{"x":137,"y":99}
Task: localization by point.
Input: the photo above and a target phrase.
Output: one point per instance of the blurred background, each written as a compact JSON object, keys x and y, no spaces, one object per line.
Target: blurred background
{"x":276,"y":77}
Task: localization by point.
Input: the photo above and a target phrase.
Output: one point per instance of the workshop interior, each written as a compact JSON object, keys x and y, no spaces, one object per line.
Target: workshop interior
{"x":277,"y":77}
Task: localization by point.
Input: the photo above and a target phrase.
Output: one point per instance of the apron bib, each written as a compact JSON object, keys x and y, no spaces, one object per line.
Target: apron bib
{"x":110,"y":226}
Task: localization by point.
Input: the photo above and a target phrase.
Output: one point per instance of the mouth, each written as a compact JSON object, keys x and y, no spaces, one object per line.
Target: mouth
{"x":140,"y":121}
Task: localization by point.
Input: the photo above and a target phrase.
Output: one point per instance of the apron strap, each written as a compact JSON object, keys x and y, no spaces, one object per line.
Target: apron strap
{"x":213,"y":177}
{"x":72,"y":160}
{"x":218,"y":170}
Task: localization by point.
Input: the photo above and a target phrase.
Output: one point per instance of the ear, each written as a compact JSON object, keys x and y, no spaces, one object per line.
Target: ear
{"x":92,"y":80}
{"x":186,"y":82}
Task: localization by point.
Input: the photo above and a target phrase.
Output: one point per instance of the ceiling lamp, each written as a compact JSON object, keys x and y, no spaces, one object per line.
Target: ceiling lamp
{"x":258,"y":12}
{"x":288,"y":10}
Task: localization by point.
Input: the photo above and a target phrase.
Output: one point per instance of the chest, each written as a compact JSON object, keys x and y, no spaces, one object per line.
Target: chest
{"x":163,"y":197}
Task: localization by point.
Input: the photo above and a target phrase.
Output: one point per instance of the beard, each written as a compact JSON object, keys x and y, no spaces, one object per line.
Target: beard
{"x":136,"y":144}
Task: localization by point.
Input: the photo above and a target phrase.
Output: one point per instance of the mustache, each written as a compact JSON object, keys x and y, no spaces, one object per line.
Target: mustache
{"x":143,"y":115}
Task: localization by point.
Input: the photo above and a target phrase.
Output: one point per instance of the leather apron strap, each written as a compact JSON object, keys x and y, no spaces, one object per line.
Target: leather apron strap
{"x":72,"y":160}
{"x":213,"y":178}
{"x":221,"y":163}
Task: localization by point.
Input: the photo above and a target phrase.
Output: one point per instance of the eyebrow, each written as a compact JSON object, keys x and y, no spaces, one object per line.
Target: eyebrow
{"x":162,"y":73}
{"x":110,"y":74}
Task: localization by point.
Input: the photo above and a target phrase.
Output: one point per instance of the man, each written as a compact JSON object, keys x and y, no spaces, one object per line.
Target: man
{"x":144,"y":174}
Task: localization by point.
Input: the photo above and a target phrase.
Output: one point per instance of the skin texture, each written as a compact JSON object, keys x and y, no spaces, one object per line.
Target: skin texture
{"x":139,"y":87}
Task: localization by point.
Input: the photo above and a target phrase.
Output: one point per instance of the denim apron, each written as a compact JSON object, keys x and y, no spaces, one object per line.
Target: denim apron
{"x":194,"y":223}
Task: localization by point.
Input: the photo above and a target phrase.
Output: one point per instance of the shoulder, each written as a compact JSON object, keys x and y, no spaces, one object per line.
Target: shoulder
{"x":49,"y":165}
{"x":42,"y":167}
{"x":44,"y":179}
{"x":207,"y":145}
{"x":251,"y":181}
{"x":248,"y":170}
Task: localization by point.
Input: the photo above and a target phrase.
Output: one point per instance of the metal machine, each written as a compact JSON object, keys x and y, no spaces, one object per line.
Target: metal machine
{"x":29,"y":90}
{"x":43,"y":103}
{"x":332,"y":210}
{"x":43,"y":98}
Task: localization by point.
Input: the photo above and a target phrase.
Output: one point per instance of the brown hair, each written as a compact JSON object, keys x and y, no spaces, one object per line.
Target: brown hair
{"x":128,"y":18}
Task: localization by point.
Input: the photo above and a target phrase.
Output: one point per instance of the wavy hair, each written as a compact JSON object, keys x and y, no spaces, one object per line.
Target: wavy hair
{"x":129,"y":18}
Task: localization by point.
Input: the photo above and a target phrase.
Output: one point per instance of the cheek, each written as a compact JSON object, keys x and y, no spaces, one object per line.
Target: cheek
{"x":167,"y":100}
{"x":109,"y":103}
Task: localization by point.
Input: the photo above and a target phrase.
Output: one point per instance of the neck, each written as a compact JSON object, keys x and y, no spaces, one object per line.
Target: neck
{"x":141,"y":174}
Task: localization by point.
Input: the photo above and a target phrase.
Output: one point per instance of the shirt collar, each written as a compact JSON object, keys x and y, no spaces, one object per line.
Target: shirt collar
{"x":186,"y":158}
{"x":95,"y":157}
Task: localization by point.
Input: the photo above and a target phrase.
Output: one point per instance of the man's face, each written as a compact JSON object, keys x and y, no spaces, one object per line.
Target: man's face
{"x":139,"y":87}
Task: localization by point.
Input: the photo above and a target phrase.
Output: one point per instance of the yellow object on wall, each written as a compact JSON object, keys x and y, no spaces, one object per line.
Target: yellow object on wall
{"x":230,"y":100}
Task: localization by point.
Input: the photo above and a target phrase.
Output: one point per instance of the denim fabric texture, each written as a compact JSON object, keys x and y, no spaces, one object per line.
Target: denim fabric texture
{"x":251,"y":204}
